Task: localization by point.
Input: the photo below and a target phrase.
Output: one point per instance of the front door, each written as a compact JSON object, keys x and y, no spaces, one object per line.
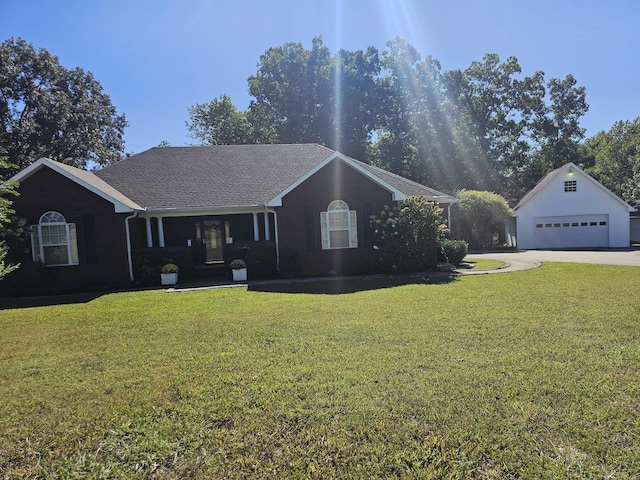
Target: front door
{"x":211,"y":234}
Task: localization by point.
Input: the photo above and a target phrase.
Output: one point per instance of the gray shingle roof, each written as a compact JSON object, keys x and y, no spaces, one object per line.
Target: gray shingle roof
{"x":84,"y":178}
{"x":226,"y":175}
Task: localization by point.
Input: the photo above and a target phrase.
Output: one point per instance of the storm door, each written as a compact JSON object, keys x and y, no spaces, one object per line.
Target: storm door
{"x":212,"y":235}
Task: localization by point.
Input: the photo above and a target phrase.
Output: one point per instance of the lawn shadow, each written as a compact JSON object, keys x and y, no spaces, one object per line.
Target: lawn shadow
{"x":341,"y":285}
{"x":49,"y":300}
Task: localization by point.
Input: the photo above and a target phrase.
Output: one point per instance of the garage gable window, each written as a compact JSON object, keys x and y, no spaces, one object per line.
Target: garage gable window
{"x":338,"y":226}
{"x":570,"y":186}
{"x":54,"y":241}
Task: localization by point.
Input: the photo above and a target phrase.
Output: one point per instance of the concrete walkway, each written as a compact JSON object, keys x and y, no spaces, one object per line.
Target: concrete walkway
{"x":627,"y":256}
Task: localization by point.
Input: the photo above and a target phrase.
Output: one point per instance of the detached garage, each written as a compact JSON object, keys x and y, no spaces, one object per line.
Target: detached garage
{"x":569,"y":209}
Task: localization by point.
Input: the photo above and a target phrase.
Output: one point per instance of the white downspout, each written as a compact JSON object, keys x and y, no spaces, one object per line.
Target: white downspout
{"x":128,"y":233}
{"x":275,"y":227}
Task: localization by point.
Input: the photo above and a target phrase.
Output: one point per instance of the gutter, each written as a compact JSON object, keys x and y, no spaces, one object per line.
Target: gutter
{"x":128,"y":234}
{"x":276,"y":239}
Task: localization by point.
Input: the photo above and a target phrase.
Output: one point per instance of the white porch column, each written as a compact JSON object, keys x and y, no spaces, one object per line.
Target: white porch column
{"x":160,"y":232}
{"x":147,"y":222}
{"x":267,"y":230}
{"x":256,"y":228}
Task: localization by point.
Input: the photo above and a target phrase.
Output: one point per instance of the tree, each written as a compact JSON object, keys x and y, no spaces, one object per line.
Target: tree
{"x":556,"y":135}
{"x":7,"y":188}
{"x":291,"y":89}
{"x":355,"y":105}
{"x":497,"y":109}
{"x":406,"y":235}
{"x":49,"y":111}
{"x":616,"y":158}
{"x":300,"y":96}
{"x":218,"y":122}
{"x":480,"y":218}
{"x":559,"y":133}
{"x":486,"y":127}
{"x":415,"y":137}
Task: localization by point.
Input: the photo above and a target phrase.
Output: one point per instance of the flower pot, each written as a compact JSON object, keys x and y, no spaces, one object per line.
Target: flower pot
{"x":169,"y":278}
{"x":239,"y":275}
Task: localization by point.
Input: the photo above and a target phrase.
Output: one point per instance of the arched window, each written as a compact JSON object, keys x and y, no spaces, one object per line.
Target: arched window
{"x":54,"y":241}
{"x":338,"y":226}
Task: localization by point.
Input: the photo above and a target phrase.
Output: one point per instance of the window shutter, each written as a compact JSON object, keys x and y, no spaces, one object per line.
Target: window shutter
{"x":367,"y":211}
{"x":309,"y":228}
{"x":323,"y":230}
{"x":35,"y":244}
{"x":89,"y":231}
{"x":353,"y":229}
{"x":73,"y":244}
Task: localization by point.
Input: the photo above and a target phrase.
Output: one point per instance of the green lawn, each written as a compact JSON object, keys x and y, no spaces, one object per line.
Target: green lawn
{"x":522,"y":375}
{"x":483,"y":263}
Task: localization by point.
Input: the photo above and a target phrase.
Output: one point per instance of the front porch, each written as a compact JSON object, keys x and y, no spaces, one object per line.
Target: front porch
{"x":206,"y":234}
{"x":195,"y":240}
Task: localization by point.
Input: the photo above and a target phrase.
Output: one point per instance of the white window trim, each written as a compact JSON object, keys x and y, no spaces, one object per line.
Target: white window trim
{"x":71,"y":240}
{"x":570,"y":186}
{"x":352,"y":226}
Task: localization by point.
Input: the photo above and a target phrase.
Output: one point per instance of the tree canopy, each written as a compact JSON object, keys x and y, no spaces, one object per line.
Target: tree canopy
{"x":613,"y":158}
{"x":47,"y":110}
{"x":8,"y":189}
{"x":485,"y":127}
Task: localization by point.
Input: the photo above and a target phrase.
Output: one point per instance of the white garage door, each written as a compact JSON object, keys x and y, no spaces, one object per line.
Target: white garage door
{"x":572,"y":231}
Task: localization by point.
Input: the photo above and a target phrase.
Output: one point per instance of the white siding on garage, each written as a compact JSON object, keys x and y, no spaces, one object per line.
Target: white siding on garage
{"x":570,"y":196}
{"x":571,"y":231}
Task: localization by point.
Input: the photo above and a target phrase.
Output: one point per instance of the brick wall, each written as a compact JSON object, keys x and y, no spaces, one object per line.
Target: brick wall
{"x":101,"y":232}
{"x":299,"y":219}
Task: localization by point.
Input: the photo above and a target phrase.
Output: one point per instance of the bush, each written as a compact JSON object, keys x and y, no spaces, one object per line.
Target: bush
{"x":289,"y":262}
{"x":237,"y":264}
{"x":406,"y":235}
{"x":169,"y":268}
{"x":480,"y":218}
{"x":148,"y":263}
{"x":452,"y":251}
{"x":260,"y":257}
{"x":28,"y":280}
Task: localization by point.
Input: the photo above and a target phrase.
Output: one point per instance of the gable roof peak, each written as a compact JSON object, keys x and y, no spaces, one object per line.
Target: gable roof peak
{"x":84,"y":178}
{"x":571,"y":168}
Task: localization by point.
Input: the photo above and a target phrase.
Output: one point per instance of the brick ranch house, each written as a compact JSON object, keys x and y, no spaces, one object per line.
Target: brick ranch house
{"x":86,"y":226}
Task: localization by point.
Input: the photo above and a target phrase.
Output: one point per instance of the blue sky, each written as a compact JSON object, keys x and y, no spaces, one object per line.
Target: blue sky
{"x":156,"y":58}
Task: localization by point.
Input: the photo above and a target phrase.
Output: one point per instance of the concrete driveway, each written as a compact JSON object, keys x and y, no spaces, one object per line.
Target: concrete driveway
{"x":524,"y":259}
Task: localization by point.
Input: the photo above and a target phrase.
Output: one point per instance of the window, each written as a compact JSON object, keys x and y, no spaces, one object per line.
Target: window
{"x":338,"y":226}
{"x":570,"y":186}
{"x":54,"y":241}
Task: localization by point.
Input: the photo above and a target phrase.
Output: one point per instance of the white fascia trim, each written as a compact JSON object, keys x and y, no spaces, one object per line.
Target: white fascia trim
{"x":583,"y":174}
{"x":118,"y":206}
{"x":598,"y":184}
{"x":396,"y":194}
{"x":198,"y":211}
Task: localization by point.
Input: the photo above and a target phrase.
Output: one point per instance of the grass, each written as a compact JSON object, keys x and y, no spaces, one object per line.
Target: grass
{"x":483,"y":263}
{"x":523,"y":375}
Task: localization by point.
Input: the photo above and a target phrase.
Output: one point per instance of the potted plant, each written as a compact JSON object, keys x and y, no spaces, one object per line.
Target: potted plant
{"x":239,"y":270}
{"x":169,"y":274}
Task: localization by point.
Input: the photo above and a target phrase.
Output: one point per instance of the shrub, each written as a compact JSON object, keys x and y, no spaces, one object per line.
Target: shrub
{"x":452,"y":251}
{"x":260,"y":257}
{"x":169,"y":268}
{"x":406,"y":234}
{"x":480,"y":218}
{"x":237,"y":264}
{"x":28,"y":280}
{"x":289,"y":262}
{"x":148,"y":262}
